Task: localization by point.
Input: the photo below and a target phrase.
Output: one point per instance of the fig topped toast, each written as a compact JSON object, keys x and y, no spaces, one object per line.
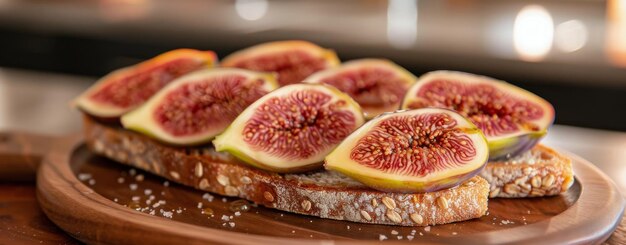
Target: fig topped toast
{"x":324,"y":194}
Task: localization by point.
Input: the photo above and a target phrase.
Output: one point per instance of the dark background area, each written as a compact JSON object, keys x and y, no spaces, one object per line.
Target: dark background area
{"x":585,"y":89}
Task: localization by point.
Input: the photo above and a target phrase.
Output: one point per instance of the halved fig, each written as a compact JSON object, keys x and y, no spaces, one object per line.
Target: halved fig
{"x":412,"y":151}
{"x":194,"y":108}
{"x":292,"y":128}
{"x":123,"y":90}
{"x":292,"y":60}
{"x":378,"y":85}
{"x":512,"y":119}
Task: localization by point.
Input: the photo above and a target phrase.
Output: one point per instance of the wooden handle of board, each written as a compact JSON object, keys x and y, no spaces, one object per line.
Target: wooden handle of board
{"x":21,"y":153}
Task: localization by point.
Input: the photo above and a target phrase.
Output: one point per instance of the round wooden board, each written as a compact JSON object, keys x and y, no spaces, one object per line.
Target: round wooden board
{"x":98,"y":208}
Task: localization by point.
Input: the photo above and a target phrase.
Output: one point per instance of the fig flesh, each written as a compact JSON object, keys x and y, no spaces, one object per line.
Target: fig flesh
{"x":196,"y":107}
{"x":123,"y":90}
{"x":292,"y":60}
{"x":378,"y":85}
{"x":412,"y":151}
{"x":512,"y":119}
{"x":292,"y":128}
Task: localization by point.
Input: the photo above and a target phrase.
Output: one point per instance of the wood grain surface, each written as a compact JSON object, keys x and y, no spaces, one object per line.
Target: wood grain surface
{"x":21,"y":153}
{"x":99,"y":208}
{"x":23,"y":222}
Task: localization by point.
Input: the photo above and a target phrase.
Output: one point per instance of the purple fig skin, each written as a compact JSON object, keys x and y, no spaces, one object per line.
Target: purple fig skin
{"x":514,"y":146}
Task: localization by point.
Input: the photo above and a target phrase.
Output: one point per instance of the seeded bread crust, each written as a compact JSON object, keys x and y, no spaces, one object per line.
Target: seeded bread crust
{"x":324,"y":194}
{"x":539,"y":172}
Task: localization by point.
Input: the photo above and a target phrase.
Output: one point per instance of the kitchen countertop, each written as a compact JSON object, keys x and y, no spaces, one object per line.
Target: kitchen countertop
{"x":39,"y":102}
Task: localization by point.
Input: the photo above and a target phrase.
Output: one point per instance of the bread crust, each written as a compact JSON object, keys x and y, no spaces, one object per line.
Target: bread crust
{"x":323,"y":194}
{"x":542,"y":171}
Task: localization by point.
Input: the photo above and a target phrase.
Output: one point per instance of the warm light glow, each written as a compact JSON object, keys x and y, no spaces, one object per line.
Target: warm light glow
{"x":402,"y":23}
{"x":251,"y":9}
{"x":571,"y":36}
{"x":616,"y":32}
{"x":533,"y":32}
{"x":124,"y":10}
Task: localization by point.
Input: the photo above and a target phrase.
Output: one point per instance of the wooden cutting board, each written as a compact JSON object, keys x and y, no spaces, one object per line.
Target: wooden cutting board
{"x":92,"y":198}
{"x":99,"y":201}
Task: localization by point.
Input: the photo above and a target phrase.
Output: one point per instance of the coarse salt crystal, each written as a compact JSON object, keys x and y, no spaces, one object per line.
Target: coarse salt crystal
{"x":394,"y":232}
{"x":382,"y":237}
{"x":167,"y":214}
{"x":147,"y":192}
{"x":132,"y":171}
{"x":454,"y":233}
{"x":409,"y":237}
{"x":427,"y":228}
{"x":237,"y":213}
{"x":139,"y":177}
{"x":199,"y":204}
{"x":399,"y":237}
{"x":92,"y":182}
{"x":120,"y":180}
{"x":232,"y":224}
{"x":135,"y":198}
{"x":225,"y":218}
{"x":208,"y":197}
{"x":133,"y":186}
{"x":166,"y":183}
{"x":84,"y":176}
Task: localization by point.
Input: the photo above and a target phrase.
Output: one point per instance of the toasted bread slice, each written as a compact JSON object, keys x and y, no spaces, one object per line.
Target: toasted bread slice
{"x":323,"y":194}
{"x":539,"y":172}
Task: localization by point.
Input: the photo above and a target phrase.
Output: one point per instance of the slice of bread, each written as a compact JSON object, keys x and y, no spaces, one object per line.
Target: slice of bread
{"x":323,"y":194}
{"x":539,"y":172}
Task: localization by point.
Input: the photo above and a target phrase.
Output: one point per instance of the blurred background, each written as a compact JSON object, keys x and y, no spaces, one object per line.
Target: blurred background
{"x":571,"y":52}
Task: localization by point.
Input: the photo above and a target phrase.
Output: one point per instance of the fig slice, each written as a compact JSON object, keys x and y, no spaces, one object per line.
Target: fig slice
{"x":512,"y":119}
{"x":124,"y":89}
{"x":292,"y":128}
{"x":196,"y":107}
{"x":292,"y":60}
{"x":412,"y":151}
{"x":378,"y":85}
